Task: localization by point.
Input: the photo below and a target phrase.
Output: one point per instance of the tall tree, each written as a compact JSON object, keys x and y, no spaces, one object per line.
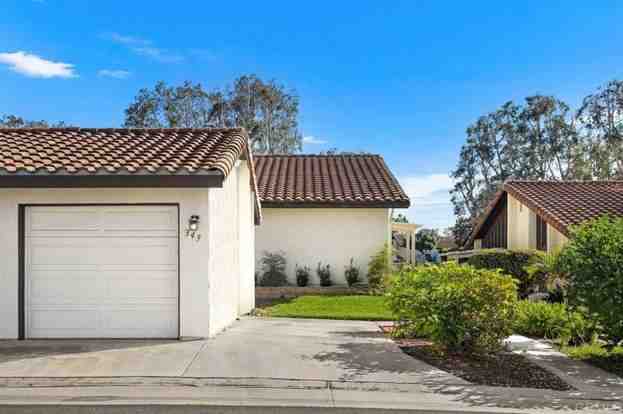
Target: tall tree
{"x":265,"y":109}
{"x":601,"y":117}
{"x":13,"y":121}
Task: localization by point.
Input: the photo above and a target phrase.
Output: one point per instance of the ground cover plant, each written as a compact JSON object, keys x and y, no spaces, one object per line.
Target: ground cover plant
{"x":605,"y":357}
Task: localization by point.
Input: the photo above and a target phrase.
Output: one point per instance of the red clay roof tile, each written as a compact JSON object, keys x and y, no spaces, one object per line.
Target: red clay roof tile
{"x":327,"y":180}
{"x":168,"y":151}
{"x":62,"y":151}
{"x":561,"y":203}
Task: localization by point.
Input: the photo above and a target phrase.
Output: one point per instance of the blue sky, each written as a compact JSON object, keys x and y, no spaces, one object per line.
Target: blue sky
{"x":402,"y":79}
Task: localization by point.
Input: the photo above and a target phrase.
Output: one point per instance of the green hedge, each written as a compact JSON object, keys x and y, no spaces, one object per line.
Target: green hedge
{"x":511,"y":262}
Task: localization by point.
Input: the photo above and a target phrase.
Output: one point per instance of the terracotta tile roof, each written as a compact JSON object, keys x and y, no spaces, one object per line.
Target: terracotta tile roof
{"x":565,"y":203}
{"x":327,"y":180}
{"x":158,"y":151}
{"x":55,"y":152}
{"x":562,"y":203}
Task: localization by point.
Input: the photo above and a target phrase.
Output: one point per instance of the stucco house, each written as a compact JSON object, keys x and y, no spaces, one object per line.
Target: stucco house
{"x":538,"y":214}
{"x":116,"y":233}
{"x":325,"y":208}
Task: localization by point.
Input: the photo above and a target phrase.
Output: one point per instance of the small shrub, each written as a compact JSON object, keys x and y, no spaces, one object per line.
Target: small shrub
{"x":302,"y":275}
{"x":548,"y":276}
{"x":554,"y":321}
{"x":460,"y":307}
{"x":512,"y":262}
{"x":379,"y":268}
{"x":593,"y":261}
{"x":273,"y":269}
{"x":351,"y":273}
{"x":324,"y":274}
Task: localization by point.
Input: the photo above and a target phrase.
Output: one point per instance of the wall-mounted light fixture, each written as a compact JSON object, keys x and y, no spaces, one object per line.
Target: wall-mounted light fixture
{"x":193,"y":228}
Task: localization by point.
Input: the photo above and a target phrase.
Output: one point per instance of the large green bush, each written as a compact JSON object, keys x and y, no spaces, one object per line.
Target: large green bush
{"x":460,"y":307}
{"x":593,"y":261}
{"x":512,"y":262}
{"x":554,"y":321}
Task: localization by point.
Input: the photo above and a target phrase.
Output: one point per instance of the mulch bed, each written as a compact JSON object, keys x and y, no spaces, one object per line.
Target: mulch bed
{"x":504,"y":369}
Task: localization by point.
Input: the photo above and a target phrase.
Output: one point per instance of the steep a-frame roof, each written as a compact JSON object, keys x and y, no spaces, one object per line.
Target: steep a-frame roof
{"x":327,"y":181}
{"x":561,"y":203}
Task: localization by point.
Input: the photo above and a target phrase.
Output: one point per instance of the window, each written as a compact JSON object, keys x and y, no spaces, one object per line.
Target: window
{"x":541,"y":233}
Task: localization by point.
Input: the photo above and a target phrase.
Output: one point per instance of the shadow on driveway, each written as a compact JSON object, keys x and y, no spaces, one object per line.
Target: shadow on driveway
{"x":12,"y":350}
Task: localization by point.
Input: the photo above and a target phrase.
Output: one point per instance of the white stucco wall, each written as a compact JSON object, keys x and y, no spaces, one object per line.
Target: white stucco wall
{"x":206,"y":264}
{"x":232,"y":287}
{"x":328,"y":235}
{"x":246,"y":228}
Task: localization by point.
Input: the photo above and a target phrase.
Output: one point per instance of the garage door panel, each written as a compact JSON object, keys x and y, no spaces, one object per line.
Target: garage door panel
{"x":137,"y":253}
{"x":142,"y":286}
{"x":118,"y":278}
{"x":151,"y":318}
{"x":138,"y":220}
{"x":50,"y":286}
{"x":61,"y":320}
{"x":76,"y":252}
{"x":62,"y":220}
{"x":68,"y":253}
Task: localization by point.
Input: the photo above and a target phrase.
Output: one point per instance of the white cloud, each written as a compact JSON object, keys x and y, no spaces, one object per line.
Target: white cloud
{"x":430,"y":200}
{"x":36,"y":67}
{"x":158,"y":54}
{"x":127,"y":40}
{"x":311,"y":140}
{"x":144,"y":47}
{"x":114,"y":73}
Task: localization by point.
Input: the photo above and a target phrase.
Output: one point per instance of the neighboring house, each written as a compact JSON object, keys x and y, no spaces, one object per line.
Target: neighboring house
{"x":117,"y":233}
{"x":538,"y":214}
{"x":325,"y":208}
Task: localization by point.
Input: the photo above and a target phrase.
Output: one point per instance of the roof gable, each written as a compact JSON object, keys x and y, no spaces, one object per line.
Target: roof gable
{"x":561,"y":203}
{"x":327,"y":181}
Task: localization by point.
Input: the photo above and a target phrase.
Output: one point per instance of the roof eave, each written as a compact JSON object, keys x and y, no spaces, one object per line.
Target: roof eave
{"x":211,"y":180}
{"x":334,"y":204}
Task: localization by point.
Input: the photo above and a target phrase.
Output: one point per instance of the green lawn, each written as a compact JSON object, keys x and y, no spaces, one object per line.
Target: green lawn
{"x":610,"y":360}
{"x":352,"y":307}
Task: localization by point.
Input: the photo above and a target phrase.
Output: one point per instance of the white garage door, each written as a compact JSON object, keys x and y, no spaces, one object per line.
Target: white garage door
{"x":101,"y":272}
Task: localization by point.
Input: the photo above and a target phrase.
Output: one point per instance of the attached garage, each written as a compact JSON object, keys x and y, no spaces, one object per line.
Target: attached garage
{"x":101,"y":271}
{"x":120,"y":233}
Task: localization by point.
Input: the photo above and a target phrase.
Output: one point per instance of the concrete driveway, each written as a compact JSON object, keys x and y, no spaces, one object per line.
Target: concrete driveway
{"x":295,"y":349}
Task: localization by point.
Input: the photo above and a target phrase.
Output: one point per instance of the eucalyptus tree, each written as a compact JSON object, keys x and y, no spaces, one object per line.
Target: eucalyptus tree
{"x":265,"y":109}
